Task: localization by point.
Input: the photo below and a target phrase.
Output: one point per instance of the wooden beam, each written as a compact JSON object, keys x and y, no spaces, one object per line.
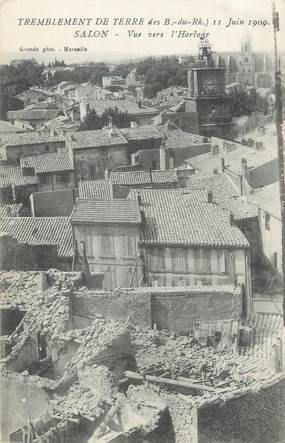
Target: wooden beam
{"x":168,"y":381}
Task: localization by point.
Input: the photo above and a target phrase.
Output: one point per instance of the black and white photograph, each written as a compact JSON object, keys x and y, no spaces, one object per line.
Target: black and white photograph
{"x":142,"y":221}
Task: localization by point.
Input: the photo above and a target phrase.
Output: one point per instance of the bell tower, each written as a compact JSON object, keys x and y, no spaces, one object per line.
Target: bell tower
{"x":207,"y":95}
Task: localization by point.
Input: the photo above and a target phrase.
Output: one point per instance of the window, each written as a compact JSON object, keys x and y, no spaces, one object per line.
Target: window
{"x":44,"y":179}
{"x":267,"y":221}
{"x":62,"y":178}
{"x":179,"y":260}
{"x":84,"y":235}
{"x":157,"y":259}
{"x":129,"y":245}
{"x":154,"y":164}
{"x":107,"y":245}
{"x":171,"y":163}
{"x":202,"y":260}
{"x":206,"y":260}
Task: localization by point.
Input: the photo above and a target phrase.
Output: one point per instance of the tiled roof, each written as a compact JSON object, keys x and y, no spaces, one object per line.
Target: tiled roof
{"x":268,"y":199}
{"x":28,"y":139}
{"x":10,"y":210}
{"x":12,"y":175}
{"x":32,"y":114}
{"x":225,"y":193}
{"x":142,"y":132}
{"x":126,"y":105}
{"x":144,"y":177}
{"x":96,"y":138}
{"x":41,"y":231}
{"x":48,"y":162}
{"x":106,"y":211}
{"x":183,"y":217}
{"x":94,"y":189}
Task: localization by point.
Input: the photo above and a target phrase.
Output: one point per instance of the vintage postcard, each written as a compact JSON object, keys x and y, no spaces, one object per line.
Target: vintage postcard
{"x":142,"y":221}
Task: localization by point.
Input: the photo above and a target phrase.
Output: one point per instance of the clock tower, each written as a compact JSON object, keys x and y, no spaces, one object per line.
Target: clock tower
{"x":207,"y":95}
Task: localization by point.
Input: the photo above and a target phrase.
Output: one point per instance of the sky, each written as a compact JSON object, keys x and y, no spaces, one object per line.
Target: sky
{"x":118,"y":45}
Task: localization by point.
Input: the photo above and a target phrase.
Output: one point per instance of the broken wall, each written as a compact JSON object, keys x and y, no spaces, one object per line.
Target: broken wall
{"x":116,"y":305}
{"x":179,"y":311}
{"x":252,"y":417}
{"x":175,"y":310}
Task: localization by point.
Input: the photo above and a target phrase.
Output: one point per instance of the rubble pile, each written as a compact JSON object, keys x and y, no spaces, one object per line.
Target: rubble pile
{"x":64,"y":279}
{"x":103,"y":342}
{"x":142,"y":411}
{"x":181,"y":356}
{"x":78,"y":400}
{"x":100,"y":380}
{"x":18,"y":288}
{"x":49,"y":313}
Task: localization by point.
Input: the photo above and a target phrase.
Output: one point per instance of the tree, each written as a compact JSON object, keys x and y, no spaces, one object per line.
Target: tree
{"x":95,"y":121}
{"x":91,"y":121}
{"x":14,"y":80}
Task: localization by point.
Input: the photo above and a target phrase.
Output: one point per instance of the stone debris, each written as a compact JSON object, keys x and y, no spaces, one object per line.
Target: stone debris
{"x":103,"y":342}
{"x":93,"y":364}
{"x":171,"y":356}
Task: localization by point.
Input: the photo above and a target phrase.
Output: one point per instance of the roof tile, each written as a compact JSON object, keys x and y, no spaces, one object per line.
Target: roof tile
{"x":184,"y":217}
{"x":41,"y":231}
{"x":48,"y":162}
{"x":94,"y":189}
{"x":12,"y":175}
{"x":106,"y":211}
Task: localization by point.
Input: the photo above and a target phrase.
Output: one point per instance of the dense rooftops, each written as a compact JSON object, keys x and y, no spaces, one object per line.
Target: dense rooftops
{"x":184,"y":217}
{"x":94,"y":189}
{"x":225,"y":193}
{"x":143,"y":177}
{"x":48,"y":162}
{"x":35,"y":231}
{"x":29,"y":139}
{"x":12,"y":175}
{"x":96,"y":138}
{"x":106,"y":211}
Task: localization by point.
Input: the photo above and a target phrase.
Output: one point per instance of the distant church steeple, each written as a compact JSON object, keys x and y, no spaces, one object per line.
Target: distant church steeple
{"x":246,"y":60}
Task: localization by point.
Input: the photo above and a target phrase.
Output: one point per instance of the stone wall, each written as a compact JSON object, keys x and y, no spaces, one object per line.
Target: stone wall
{"x":91,"y":163}
{"x":176,"y":310}
{"x":116,"y":305}
{"x":252,"y":417}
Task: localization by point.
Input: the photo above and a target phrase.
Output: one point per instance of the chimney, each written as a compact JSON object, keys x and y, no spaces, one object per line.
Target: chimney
{"x":223,"y":164}
{"x":244,"y":166}
{"x":232,"y":220}
{"x":210,"y":197}
{"x":163,"y":156}
{"x":14,"y":192}
{"x":150,"y":176}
